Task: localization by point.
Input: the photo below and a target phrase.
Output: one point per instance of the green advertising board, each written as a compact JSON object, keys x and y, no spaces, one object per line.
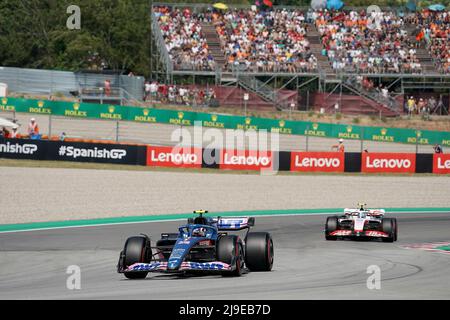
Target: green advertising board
{"x":220,"y":121}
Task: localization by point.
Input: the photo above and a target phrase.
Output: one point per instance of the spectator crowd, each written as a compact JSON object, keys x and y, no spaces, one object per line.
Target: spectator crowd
{"x":276,"y":40}
{"x":434,"y":29}
{"x":425,"y":106}
{"x":182,"y":33}
{"x":366,"y":43}
{"x":265,"y":41}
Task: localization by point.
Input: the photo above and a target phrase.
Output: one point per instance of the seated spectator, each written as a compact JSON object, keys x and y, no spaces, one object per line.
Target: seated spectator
{"x":265,"y":41}
{"x":182,"y":33}
{"x":435,"y":28}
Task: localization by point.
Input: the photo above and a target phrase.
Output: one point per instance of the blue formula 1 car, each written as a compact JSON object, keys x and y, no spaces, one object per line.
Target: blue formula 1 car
{"x":203,"y":245}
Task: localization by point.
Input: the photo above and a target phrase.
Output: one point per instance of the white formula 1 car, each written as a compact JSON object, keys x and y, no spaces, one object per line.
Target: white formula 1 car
{"x":361,"y":223}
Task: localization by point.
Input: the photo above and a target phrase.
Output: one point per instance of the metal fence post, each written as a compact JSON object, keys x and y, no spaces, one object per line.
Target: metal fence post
{"x":50,"y":126}
{"x":417,"y":142}
{"x":117,"y":131}
{"x":362,"y":139}
{"x":307,"y":138}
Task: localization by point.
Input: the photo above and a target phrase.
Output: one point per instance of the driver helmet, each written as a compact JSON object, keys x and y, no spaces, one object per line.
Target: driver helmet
{"x":199,"y":232}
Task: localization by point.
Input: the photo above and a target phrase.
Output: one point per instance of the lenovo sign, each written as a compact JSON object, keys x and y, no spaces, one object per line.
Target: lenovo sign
{"x":317,"y":161}
{"x":389,"y":162}
{"x":182,"y":157}
{"x":245,"y":160}
{"x":441,"y":163}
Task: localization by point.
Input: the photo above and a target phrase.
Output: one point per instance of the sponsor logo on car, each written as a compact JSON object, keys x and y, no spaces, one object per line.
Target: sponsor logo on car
{"x":177,"y":253}
{"x":208,"y":266}
{"x":374,"y":233}
{"x":341,"y":233}
{"x":17,"y":148}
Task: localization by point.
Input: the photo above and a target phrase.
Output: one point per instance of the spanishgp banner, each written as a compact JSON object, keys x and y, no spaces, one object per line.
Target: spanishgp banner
{"x":388,"y":162}
{"x":72,"y":151}
{"x":22,"y":149}
{"x":92,"y":152}
{"x":246,"y":160}
{"x":441,"y":163}
{"x":317,"y":161}
{"x":175,"y":157}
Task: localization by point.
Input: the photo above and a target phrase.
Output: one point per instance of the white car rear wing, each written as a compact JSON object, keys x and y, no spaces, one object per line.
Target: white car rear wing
{"x":374,"y":212}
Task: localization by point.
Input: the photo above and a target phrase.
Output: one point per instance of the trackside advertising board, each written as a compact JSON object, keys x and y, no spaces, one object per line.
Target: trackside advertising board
{"x":441,"y":163}
{"x":175,"y":157}
{"x":89,"y":152}
{"x":72,"y":151}
{"x":388,"y":163}
{"x":22,"y":149}
{"x":317,"y":161}
{"x":246,"y":160}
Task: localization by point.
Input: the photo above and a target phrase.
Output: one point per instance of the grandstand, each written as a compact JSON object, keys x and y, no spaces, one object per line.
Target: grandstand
{"x":367,"y":63}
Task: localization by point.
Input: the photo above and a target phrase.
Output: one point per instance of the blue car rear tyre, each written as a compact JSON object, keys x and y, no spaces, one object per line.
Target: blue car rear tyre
{"x":259,"y":252}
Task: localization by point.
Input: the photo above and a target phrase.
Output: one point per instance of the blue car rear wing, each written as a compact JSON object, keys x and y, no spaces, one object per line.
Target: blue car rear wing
{"x":235,"y":224}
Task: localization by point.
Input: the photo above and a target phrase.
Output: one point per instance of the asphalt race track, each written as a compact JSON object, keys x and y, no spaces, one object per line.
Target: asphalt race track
{"x":33,"y":264}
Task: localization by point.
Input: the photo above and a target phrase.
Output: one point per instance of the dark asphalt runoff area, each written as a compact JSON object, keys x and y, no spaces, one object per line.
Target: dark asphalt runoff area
{"x":34,"y":264}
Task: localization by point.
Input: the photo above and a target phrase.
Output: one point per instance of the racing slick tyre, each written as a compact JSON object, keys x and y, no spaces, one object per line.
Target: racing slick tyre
{"x":395,"y":229}
{"x":388,"y":226}
{"x":259,"y":251}
{"x":136,"y":250}
{"x":230,"y":251}
{"x":330,"y":226}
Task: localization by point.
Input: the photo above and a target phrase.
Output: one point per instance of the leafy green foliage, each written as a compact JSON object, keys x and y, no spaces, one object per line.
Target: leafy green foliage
{"x":114,"y":32}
